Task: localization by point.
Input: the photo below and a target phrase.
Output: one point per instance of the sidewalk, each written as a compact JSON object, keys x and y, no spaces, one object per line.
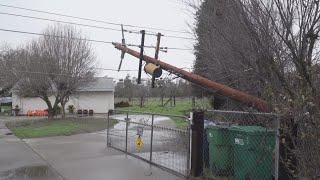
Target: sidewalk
{"x":19,"y":162}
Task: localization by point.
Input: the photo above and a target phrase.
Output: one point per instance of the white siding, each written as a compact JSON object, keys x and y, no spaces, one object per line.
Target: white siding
{"x":99,"y":102}
{"x":28,"y":103}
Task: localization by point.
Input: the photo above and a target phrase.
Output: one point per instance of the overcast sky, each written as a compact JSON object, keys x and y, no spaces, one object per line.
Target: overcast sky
{"x":166,"y":14}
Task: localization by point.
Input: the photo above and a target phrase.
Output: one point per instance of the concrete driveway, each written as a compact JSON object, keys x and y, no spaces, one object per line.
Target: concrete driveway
{"x":86,"y":156}
{"x":20,"y":162}
{"x":77,"y":157}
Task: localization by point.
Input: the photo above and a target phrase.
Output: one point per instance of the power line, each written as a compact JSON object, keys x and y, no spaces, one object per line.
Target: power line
{"x":93,"y":20}
{"x":36,"y":72}
{"x":78,"y":24}
{"x":92,"y":26}
{"x":39,"y":34}
{"x":90,"y":40}
{"x":58,"y":21}
{"x":180,"y":37}
{"x":58,"y":74}
{"x":125,"y":70}
{"x":161,"y":48}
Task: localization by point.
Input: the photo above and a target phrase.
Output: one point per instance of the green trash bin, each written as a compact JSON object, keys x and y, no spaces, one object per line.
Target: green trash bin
{"x":220,"y":150}
{"x":253,"y":152}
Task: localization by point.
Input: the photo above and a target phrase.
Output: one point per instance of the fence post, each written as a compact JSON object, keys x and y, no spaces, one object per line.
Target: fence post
{"x":127,"y":119}
{"x":151,"y":142}
{"x":193,"y":102}
{"x":197,"y":143}
{"x":108,"y":129}
{"x":189,"y":148}
{"x":277,"y":155}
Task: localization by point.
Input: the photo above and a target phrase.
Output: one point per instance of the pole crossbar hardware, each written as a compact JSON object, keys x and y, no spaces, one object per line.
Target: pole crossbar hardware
{"x":143,"y":34}
{"x":124,"y":45}
{"x":236,"y":95}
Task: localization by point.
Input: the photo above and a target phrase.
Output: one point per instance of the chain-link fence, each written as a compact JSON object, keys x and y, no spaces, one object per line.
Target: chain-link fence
{"x":151,"y":137}
{"x":241,"y":145}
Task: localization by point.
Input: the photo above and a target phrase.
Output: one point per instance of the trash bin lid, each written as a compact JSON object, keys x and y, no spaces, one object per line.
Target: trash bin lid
{"x":251,"y":129}
{"x":219,"y":126}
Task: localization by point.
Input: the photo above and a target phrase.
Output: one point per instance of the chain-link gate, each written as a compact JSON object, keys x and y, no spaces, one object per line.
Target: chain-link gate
{"x":151,"y":137}
{"x":241,"y":145}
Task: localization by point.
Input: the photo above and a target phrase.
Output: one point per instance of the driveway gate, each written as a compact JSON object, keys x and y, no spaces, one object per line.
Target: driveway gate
{"x":151,"y":137}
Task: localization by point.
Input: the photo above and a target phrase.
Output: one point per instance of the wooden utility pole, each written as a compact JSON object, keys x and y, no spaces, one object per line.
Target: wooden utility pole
{"x":221,"y":89}
{"x":143,"y":33}
{"x":156,"y":56}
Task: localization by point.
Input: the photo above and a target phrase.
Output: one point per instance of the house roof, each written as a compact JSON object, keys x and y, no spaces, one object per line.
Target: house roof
{"x":100,"y":84}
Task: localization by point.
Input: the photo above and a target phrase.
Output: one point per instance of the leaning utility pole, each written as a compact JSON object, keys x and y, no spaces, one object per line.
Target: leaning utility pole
{"x":221,"y":89}
{"x":156,"y":56}
{"x":143,"y":33}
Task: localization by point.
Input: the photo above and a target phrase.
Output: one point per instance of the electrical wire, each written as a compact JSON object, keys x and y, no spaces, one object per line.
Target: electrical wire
{"x":161,"y":48}
{"x":78,"y":24}
{"x":65,"y":22}
{"x":48,"y":73}
{"x":90,"y":40}
{"x":107,"y":69}
{"x":39,"y":34}
{"x":92,"y":20}
{"x":180,"y":37}
{"x":93,"y":26}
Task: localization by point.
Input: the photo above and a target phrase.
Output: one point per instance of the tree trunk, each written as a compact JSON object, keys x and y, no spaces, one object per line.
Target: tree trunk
{"x":51,"y":113}
{"x":63,"y":105}
{"x":51,"y":109}
{"x":63,"y":110}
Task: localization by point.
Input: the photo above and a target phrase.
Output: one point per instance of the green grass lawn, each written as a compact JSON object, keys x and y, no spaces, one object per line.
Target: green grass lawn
{"x":59,"y":127}
{"x":183,"y":107}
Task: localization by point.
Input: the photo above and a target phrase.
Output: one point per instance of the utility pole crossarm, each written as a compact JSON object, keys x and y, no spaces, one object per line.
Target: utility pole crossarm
{"x":221,"y":89}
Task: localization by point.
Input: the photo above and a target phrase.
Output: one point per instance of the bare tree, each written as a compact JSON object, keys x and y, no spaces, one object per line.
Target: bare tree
{"x":8,"y":60}
{"x":57,"y":65}
{"x":269,"y":48}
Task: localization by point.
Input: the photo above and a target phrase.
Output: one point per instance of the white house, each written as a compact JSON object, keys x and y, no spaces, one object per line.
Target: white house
{"x":97,"y":96}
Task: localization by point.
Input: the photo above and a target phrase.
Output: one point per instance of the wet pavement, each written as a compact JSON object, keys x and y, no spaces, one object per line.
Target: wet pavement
{"x":77,"y":157}
{"x":19,"y":162}
{"x":85,"y":156}
{"x":143,"y":119}
{"x":29,"y":173}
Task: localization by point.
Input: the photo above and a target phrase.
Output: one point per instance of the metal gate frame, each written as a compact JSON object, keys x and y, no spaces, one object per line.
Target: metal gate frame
{"x":150,"y":159}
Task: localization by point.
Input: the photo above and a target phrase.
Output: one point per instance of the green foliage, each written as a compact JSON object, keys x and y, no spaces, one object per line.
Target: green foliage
{"x":71,"y":107}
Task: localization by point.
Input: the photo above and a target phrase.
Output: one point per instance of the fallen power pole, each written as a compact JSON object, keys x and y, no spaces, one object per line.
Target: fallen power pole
{"x":221,"y":89}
